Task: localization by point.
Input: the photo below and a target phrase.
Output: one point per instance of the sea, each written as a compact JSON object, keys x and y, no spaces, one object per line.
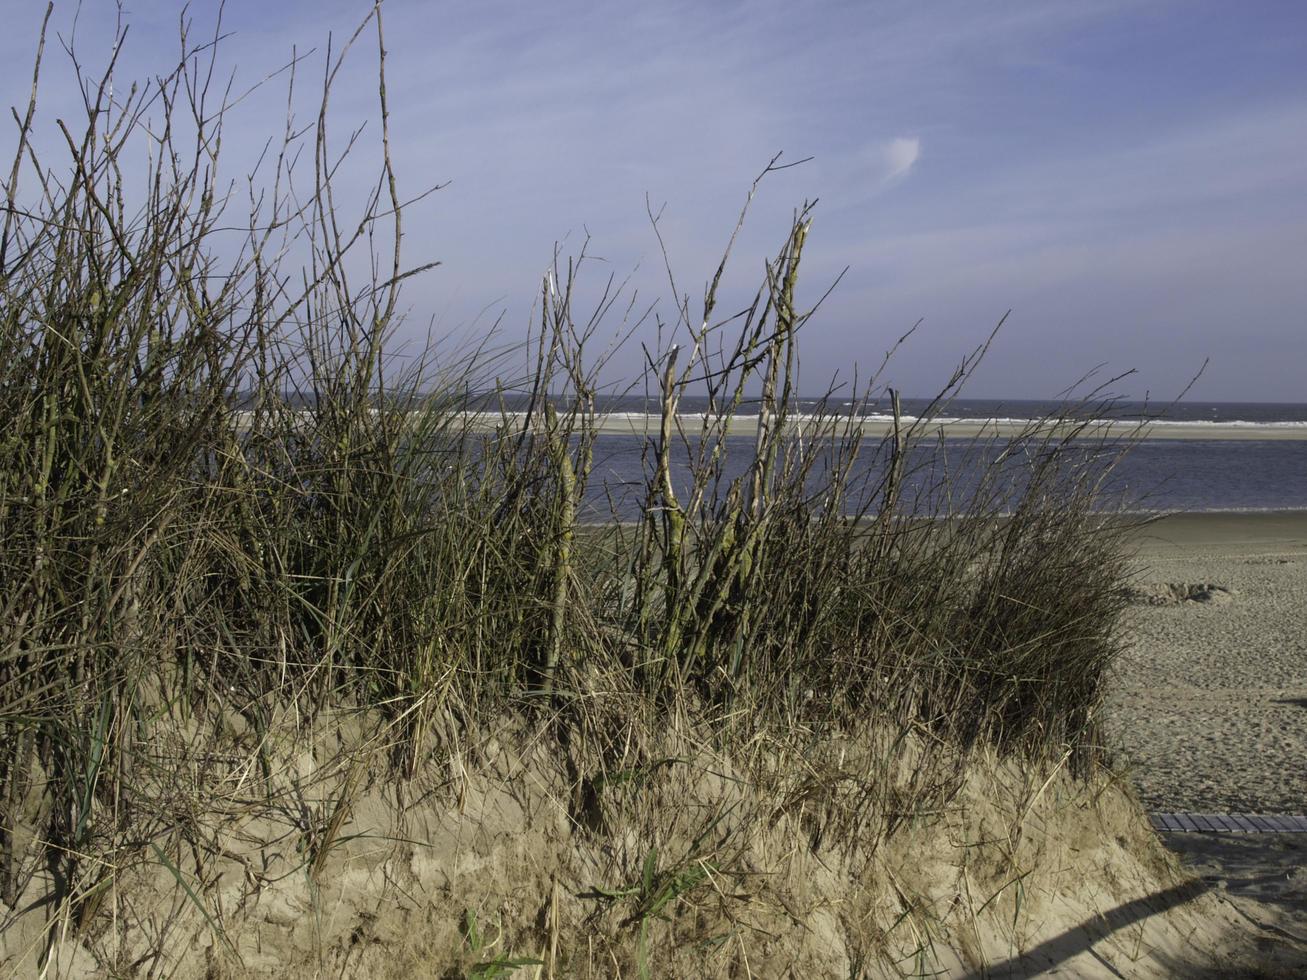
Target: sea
{"x":1252,"y":472}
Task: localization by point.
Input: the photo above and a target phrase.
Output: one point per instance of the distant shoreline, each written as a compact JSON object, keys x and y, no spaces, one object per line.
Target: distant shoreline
{"x":879,"y":426}
{"x":636,"y":424}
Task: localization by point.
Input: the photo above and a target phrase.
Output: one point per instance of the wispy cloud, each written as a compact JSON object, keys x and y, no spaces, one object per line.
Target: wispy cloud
{"x":900,"y":156}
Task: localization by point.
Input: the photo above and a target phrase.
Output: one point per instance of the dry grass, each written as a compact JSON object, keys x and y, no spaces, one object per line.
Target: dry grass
{"x":265,"y":595}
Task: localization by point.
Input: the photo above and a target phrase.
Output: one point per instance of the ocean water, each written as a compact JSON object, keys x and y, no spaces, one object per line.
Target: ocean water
{"x":1156,"y":474}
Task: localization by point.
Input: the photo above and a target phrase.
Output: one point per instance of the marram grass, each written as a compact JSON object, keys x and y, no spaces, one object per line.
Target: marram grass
{"x":226,"y":513}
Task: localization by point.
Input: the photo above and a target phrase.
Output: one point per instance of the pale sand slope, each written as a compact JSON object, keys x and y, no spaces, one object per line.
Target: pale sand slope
{"x":1210,"y":702}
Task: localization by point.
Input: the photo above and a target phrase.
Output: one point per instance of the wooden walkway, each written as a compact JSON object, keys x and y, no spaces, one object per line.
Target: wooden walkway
{"x":1228,"y":823}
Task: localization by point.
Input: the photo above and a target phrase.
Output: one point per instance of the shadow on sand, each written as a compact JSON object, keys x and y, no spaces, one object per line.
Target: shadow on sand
{"x":1281,"y":960}
{"x":1082,"y":938}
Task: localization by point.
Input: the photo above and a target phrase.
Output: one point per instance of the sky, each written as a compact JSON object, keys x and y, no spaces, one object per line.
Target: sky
{"x":1127,"y":177}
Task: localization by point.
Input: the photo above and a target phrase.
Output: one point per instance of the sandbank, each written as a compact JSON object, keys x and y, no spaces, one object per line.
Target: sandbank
{"x":637,"y":424}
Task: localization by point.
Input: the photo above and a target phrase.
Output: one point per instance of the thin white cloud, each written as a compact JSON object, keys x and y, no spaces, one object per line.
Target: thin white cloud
{"x":900,"y":155}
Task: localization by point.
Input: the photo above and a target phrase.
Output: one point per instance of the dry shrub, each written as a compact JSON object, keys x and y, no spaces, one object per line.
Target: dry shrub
{"x":229,"y":520}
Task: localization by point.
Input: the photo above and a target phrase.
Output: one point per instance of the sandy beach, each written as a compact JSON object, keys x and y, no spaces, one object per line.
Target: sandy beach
{"x":1209,"y":705}
{"x":1210,"y":701}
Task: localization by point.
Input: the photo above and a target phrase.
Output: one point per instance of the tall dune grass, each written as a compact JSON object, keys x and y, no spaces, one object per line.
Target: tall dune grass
{"x":222,"y":502}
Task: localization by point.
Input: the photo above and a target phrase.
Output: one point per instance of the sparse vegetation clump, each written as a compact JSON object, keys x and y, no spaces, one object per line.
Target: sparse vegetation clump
{"x":289,"y":627}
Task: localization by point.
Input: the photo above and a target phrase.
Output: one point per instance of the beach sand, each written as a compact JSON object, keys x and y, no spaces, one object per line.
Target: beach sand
{"x":1210,"y":700}
{"x":1208,"y":707}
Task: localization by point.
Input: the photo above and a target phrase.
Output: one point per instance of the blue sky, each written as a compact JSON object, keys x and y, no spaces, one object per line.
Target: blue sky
{"x":1129,"y":178}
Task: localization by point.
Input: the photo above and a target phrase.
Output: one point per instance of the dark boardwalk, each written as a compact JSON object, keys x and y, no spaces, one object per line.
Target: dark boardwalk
{"x":1228,"y":823}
